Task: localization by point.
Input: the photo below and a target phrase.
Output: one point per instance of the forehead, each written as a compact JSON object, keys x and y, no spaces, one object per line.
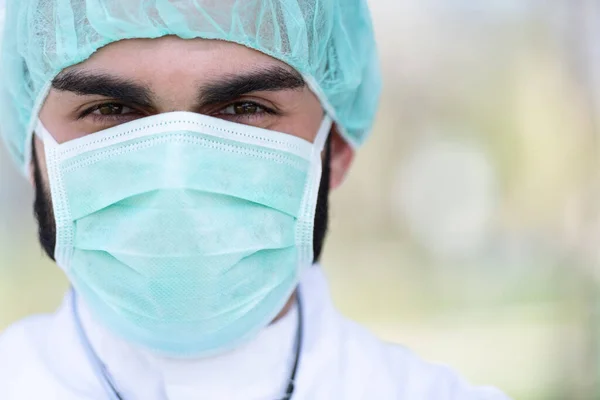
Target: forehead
{"x":171,"y":57}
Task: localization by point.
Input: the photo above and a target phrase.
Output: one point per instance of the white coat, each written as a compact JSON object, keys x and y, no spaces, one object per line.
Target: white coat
{"x":41,"y":358}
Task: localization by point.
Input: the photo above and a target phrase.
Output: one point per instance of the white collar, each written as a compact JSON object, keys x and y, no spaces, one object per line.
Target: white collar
{"x":258,"y":370}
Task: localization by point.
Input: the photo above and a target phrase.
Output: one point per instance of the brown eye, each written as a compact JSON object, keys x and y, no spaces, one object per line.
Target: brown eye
{"x":243,"y":109}
{"x":246,"y":108}
{"x":112,"y":109}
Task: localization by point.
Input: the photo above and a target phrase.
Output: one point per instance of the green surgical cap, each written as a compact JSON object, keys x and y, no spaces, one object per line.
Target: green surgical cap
{"x":330,"y":42}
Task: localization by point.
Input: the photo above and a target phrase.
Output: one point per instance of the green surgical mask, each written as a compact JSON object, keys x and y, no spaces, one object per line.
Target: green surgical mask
{"x":184,"y":233}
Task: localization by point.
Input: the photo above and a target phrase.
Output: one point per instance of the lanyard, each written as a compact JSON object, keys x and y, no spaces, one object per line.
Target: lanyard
{"x":108,"y":384}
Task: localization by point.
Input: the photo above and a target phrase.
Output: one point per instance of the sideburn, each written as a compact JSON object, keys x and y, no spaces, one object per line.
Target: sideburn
{"x":42,"y":210}
{"x":322,"y":209}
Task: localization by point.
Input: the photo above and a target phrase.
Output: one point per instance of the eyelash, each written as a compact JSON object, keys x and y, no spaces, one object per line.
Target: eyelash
{"x":106,"y":119}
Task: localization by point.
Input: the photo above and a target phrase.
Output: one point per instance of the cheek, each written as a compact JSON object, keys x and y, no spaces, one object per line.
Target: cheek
{"x":55,"y":115}
{"x":303,"y":117}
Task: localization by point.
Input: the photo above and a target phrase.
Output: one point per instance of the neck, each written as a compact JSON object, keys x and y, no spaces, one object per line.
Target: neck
{"x":288,"y":306}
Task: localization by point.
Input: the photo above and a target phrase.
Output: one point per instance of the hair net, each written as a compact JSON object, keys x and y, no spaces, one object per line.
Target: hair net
{"x":330,"y":42}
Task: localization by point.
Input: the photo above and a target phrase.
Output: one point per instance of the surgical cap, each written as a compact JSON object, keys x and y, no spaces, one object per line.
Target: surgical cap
{"x":330,"y":42}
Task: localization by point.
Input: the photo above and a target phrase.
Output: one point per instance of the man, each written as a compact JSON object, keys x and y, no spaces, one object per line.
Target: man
{"x":182,"y":153}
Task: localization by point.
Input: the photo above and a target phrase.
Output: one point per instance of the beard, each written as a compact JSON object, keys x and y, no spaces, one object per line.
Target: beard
{"x":43,"y":212}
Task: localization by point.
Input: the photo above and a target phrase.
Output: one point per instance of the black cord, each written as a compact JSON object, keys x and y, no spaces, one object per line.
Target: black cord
{"x":291,"y":386}
{"x":92,"y":356}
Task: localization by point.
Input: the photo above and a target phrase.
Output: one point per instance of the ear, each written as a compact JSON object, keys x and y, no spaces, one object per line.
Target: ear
{"x":342,"y":156}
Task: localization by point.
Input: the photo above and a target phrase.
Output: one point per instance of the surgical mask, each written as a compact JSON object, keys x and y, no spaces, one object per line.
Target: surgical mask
{"x":184,"y":233}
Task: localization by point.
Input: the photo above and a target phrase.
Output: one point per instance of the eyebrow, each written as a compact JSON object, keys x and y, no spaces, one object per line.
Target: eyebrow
{"x":87,"y":83}
{"x":223,"y":90}
{"x":229,"y":88}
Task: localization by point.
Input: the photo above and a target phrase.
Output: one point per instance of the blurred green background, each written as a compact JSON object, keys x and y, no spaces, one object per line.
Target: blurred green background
{"x":467,"y":229}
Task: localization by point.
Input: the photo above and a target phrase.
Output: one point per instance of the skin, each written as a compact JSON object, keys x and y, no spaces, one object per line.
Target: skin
{"x":176,"y":75}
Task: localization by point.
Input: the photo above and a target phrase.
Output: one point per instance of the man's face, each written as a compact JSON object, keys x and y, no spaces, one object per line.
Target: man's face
{"x":136,"y":78}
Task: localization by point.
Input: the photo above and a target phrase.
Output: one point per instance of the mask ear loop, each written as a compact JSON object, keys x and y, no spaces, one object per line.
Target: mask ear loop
{"x":64,"y":233}
{"x":323,"y":134}
{"x":309,"y":203}
{"x":46,"y":137}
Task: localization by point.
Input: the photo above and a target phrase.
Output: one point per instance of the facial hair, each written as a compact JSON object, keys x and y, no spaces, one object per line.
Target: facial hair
{"x":42,"y":208}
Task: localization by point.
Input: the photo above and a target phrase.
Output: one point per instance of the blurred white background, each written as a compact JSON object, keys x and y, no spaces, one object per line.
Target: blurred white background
{"x":467,"y":229}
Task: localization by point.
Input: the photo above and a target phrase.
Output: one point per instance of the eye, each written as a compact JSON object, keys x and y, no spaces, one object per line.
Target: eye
{"x":111,"y":109}
{"x":244,"y":108}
